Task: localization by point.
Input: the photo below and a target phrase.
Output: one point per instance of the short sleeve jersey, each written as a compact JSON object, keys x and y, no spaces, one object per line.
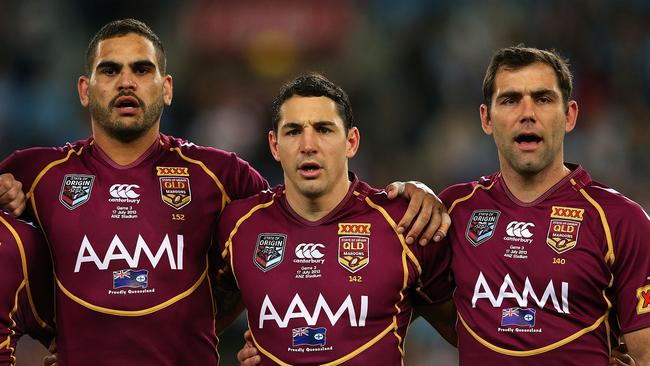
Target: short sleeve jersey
{"x":339,"y":290}
{"x":549,"y":282}
{"x":130,"y":245}
{"x":26,"y":287}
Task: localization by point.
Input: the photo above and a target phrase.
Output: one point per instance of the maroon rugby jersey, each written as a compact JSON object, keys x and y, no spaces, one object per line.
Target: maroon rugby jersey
{"x":338,"y":290}
{"x":130,"y":247}
{"x":547,"y":282}
{"x":26,"y":287}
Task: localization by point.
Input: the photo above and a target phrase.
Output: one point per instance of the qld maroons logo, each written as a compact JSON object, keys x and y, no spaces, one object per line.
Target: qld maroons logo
{"x":269,"y":250}
{"x":481,"y":226}
{"x":174,"y":186}
{"x":75,"y":190}
{"x":354,"y":252}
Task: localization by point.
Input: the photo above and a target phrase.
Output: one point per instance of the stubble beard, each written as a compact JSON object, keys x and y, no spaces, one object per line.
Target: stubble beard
{"x":121,"y":130}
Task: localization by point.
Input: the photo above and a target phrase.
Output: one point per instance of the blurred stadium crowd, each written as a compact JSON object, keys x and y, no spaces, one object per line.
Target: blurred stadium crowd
{"x":413,"y":69}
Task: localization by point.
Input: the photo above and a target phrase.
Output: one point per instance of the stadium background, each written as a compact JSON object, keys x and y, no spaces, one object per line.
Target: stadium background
{"x":413,"y":70}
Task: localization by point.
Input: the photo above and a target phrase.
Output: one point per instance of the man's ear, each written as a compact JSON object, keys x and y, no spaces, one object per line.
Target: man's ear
{"x":486,"y":122}
{"x":82,"y":88}
{"x":353,"y":140}
{"x":273,"y":145}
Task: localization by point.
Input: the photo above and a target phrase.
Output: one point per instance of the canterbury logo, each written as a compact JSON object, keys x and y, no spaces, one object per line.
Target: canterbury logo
{"x":309,"y":251}
{"x":171,"y":171}
{"x":570,"y":213}
{"x":124,"y":191}
{"x":519,"y":229}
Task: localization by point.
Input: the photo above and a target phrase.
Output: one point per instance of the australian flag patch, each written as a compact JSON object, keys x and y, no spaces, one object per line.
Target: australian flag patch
{"x":130,"y":278}
{"x":522,"y":317}
{"x":307,"y":336}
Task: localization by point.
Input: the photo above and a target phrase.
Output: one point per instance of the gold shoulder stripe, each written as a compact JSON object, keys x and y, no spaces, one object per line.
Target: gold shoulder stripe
{"x":476,"y":187}
{"x":535,"y":351}
{"x":153,"y":309}
{"x":609,"y":256}
{"x":225,"y":199}
{"x":12,"y":326}
{"x":228,"y":245}
{"x":40,"y":175}
{"x":338,"y":361}
{"x":23,"y":260}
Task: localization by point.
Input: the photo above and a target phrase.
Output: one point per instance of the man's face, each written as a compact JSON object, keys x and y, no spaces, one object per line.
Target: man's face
{"x":528,"y":119}
{"x":125,"y":92}
{"x":312,"y":146}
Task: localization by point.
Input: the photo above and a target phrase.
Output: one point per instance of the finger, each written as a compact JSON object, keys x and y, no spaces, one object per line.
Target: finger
{"x":421,"y":220}
{"x":49,"y":360}
{"x":52,"y":347}
{"x":394,"y":190}
{"x":431,"y":227}
{"x":443,"y":229}
{"x":252,"y":361}
{"x":411,"y":211}
{"x":248,"y":336}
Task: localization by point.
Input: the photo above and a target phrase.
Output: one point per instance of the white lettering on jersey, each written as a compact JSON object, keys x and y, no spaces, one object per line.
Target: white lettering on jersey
{"x":117,"y":251}
{"x":508,"y":291}
{"x":298,"y":310}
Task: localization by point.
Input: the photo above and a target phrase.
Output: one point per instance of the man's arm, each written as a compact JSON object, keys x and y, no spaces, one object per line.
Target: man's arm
{"x":638,"y":346}
{"x":228,"y":301}
{"x":441,"y":316}
{"x":426,"y":215}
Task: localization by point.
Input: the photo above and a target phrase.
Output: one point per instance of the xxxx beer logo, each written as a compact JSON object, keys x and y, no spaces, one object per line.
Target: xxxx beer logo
{"x":354,"y":252}
{"x":174,"y":186}
{"x":558,"y":212}
{"x":563,"y":228}
{"x":354,"y":229}
{"x":172,"y":171}
{"x":643,"y":295}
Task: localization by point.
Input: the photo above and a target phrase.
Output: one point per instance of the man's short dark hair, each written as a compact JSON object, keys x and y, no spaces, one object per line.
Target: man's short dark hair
{"x":516,"y":57}
{"x":313,"y":85}
{"x":122,"y":27}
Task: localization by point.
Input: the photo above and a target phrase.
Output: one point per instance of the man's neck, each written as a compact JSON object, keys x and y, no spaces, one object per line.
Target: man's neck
{"x":315,"y":208}
{"x":529,"y":188}
{"x":125,"y":153}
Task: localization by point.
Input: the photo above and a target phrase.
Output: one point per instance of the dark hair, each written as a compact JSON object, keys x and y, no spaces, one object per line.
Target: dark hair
{"x":313,"y":85}
{"x":122,"y":27}
{"x":516,"y":57}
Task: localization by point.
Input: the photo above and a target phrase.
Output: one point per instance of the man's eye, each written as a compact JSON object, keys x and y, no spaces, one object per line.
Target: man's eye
{"x":292,"y":132}
{"x":323,"y":130}
{"x":108,"y":71}
{"x":142,"y":70}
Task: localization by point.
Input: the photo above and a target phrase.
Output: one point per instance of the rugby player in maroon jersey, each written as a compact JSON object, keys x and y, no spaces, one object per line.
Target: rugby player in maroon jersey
{"x":324,"y":274}
{"x":26,"y":287}
{"x":128,"y":214}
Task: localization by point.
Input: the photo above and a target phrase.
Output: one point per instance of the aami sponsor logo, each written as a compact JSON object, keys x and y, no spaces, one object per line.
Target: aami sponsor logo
{"x":124,"y":193}
{"x":519,"y":232}
{"x":117,"y":252}
{"x":311,"y":253}
{"x":297,"y":309}
{"x":522,"y":295}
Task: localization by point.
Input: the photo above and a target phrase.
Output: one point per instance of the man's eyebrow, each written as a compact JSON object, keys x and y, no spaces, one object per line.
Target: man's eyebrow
{"x":143,"y":63}
{"x":510,"y":94}
{"x":544,"y":93}
{"x":108,"y":63}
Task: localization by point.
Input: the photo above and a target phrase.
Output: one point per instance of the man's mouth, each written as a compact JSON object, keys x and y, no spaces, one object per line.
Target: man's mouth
{"x":127,"y":105}
{"x":310,"y":169}
{"x":528,"y":140}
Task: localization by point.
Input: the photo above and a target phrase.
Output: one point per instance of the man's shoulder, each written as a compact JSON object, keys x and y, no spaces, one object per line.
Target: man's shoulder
{"x":195,"y":151}
{"x":238,"y":208}
{"x":614,"y":204}
{"x":464,"y":190}
{"x":33,"y":155}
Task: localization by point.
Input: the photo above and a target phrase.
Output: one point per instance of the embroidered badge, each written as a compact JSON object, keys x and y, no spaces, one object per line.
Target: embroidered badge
{"x":481,"y":226}
{"x":269,"y":250}
{"x":75,"y":190}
